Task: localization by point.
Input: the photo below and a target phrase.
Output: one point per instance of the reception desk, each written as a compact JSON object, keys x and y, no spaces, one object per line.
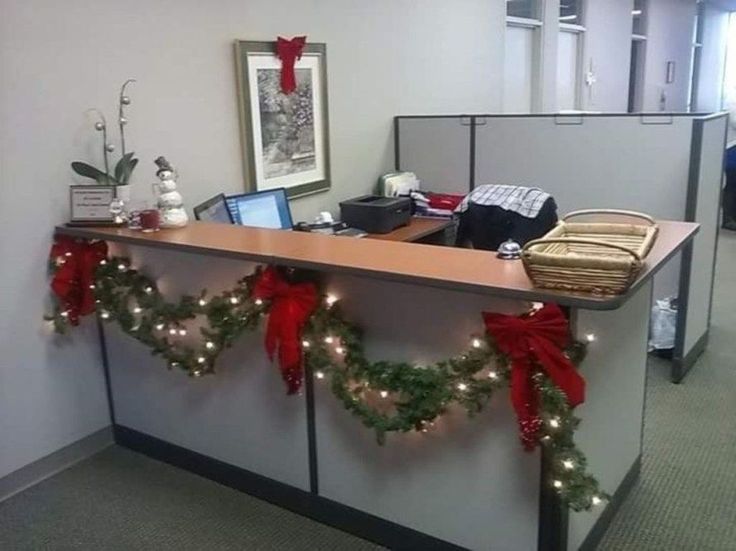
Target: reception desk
{"x":466,"y":484}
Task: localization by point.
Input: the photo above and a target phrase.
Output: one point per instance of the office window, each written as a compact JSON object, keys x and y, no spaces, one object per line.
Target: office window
{"x":639,"y":17}
{"x":570,"y":12}
{"x":569,"y":55}
{"x":525,"y":9}
{"x":568,"y":70}
{"x":518,"y":81}
{"x":522,"y":51}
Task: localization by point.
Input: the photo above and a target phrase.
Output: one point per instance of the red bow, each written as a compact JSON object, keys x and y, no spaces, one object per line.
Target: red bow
{"x":289,"y":51}
{"x":291,"y":306}
{"x":542,"y":336}
{"x":76,"y":262}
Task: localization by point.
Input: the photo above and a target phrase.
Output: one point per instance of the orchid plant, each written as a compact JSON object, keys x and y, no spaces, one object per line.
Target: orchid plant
{"x":127,"y":163}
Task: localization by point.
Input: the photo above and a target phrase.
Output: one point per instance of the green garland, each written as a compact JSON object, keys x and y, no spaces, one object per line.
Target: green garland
{"x":387,"y":396}
{"x":132,"y":299}
{"x":414,"y":398}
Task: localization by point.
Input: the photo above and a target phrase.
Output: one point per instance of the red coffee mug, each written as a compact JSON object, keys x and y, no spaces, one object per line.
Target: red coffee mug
{"x":150,"y":220}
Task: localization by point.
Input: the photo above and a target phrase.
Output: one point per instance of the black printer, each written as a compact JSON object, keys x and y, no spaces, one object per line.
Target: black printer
{"x":375,"y":213}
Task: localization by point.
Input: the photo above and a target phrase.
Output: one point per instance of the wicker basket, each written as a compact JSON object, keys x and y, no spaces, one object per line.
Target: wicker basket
{"x":597,"y":257}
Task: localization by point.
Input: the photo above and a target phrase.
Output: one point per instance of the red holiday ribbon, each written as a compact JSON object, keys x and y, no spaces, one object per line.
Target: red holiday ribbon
{"x":540,"y":336}
{"x":291,"y":306}
{"x":289,"y":51}
{"x":76,"y":261}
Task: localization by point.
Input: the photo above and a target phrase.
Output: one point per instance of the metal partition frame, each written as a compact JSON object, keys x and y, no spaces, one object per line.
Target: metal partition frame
{"x":689,"y":190}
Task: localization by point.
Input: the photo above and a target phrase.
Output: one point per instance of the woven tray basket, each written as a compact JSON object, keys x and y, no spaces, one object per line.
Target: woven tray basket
{"x":595,"y":257}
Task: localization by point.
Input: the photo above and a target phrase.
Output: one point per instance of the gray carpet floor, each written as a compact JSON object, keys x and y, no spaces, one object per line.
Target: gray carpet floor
{"x":120,"y":500}
{"x":685,"y":499}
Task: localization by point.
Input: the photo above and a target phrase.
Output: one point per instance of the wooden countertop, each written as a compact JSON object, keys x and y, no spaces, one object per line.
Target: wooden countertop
{"x":443,"y":267}
{"x":417,"y":228}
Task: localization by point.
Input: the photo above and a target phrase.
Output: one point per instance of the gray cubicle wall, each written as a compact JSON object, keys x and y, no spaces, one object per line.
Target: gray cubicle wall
{"x":703,"y":206}
{"x":667,"y":165}
{"x":439,"y":147}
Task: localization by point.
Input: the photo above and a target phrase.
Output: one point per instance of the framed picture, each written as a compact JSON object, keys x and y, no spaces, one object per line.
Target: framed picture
{"x":90,"y":204}
{"x":285,"y":137}
{"x":670,"y":72}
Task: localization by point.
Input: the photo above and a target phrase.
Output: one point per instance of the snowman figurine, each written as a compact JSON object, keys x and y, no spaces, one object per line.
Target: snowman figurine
{"x":170,"y":202}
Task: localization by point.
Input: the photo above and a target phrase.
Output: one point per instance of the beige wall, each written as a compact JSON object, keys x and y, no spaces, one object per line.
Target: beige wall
{"x":58,"y":58}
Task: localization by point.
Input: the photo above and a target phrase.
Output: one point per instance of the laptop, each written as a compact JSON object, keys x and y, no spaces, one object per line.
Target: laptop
{"x":261,"y":209}
{"x":214,"y":210}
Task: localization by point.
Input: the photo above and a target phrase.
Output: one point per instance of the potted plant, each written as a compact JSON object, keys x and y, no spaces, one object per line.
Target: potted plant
{"x":120,"y":176}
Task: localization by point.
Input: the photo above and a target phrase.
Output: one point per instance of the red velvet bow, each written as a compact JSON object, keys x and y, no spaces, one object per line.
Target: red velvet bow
{"x":541,"y":336}
{"x":291,"y":306}
{"x":76,"y":262}
{"x":288,"y":52}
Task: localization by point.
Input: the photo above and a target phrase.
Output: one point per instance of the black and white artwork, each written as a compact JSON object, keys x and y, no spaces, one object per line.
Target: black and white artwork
{"x":287,"y":124}
{"x":285,"y":135}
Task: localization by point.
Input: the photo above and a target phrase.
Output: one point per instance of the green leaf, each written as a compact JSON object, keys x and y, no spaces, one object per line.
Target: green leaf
{"x":119,"y":165}
{"x":88,"y":171}
{"x":129,"y":170}
{"x":124,"y":167}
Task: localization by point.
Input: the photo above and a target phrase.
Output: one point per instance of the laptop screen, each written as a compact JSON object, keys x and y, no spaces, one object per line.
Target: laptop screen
{"x":262,"y":209}
{"x":213,"y":210}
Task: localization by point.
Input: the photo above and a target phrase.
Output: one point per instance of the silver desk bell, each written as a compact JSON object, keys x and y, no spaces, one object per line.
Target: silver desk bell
{"x":509,"y":250}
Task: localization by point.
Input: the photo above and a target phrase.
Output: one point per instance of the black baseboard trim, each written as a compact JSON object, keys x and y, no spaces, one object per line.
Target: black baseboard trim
{"x":599,"y":528}
{"x":682,"y":366}
{"x":554,"y":516}
{"x":305,"y":503}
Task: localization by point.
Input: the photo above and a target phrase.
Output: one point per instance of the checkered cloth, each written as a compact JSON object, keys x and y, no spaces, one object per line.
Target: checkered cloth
{"x":526,"y":201}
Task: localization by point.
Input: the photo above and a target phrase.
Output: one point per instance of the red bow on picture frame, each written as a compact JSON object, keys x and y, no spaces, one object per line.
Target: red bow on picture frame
{"x":289,"y":51}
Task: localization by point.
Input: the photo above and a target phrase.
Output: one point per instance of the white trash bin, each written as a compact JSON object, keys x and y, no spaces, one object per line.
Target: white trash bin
{"x":663,"y":324}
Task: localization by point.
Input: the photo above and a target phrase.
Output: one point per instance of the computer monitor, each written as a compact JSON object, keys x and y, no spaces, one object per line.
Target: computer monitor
{"x":261,"y":209}
{"x":214,"y":210}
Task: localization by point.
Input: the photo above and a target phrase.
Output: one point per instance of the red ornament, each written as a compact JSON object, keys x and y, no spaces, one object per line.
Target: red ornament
{"x":288,"y":52}
{"x":291,"y":307}
{"x":542,"y":336}
{"x":76,"y":261}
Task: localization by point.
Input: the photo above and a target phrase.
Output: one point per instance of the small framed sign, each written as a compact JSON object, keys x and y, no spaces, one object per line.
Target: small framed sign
{"x":90,"y":204}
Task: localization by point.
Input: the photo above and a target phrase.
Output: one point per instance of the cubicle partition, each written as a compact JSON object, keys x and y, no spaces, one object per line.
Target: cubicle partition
{"x":667,"y":165}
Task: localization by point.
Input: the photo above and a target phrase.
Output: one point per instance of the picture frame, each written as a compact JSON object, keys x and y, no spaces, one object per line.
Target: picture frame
{"x":670,"y":77}
{"x":90,"y":204}
{"x":285,"y":138}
